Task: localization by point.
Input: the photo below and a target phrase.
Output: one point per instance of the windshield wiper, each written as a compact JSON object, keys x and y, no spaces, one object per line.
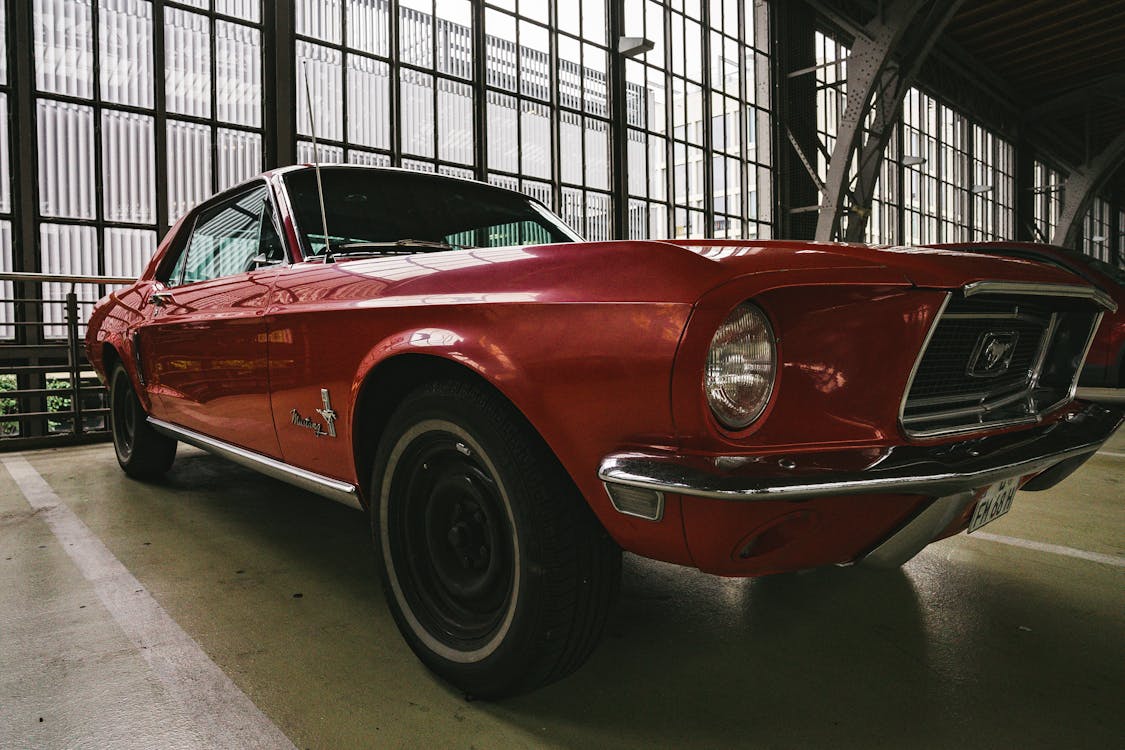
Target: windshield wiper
{"x":397,"y":247}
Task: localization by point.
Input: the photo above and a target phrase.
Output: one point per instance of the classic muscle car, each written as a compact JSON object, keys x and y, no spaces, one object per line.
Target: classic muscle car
{"x":513,"y":406}
{"x":1103,"y":377}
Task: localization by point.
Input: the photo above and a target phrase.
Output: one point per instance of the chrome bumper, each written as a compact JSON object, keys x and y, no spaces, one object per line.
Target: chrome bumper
{"x":937,"y":471}
{"x":1114,"y":396}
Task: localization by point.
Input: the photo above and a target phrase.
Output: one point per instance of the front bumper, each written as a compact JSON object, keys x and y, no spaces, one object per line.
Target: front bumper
{"x":1114,"y":396}
{"x":949,"y":475}
{"x":936,"y":470}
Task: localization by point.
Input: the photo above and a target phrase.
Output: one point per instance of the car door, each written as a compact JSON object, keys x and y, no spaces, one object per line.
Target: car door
{"x":204,"y":343}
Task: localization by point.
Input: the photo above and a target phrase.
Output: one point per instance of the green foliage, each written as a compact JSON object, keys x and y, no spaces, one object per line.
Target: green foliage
{"x":8,"y":406}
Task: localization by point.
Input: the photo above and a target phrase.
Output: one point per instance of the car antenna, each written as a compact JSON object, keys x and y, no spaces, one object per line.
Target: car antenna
{"x":316,"y":164}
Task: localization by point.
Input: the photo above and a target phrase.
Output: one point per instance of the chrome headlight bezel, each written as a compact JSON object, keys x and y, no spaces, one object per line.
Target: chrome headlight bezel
{"x":738,"y":385}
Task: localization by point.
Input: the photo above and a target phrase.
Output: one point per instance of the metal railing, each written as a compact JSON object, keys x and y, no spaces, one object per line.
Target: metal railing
{"x":49,"y":394}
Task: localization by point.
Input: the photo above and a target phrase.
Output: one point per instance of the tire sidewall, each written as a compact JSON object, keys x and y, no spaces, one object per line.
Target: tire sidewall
{"x":503,"y":653}
{"x":121,"y":385}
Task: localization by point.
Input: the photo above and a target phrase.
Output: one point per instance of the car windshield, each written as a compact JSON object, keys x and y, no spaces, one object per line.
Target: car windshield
{"x":376,"y":211}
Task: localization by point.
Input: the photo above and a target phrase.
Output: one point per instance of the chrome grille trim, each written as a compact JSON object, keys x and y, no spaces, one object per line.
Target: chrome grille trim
{"x":975,"y":403}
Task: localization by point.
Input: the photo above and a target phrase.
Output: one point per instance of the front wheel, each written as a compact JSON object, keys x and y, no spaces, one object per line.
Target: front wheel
{"x":497,"y":573}
{"x":142,"y":452}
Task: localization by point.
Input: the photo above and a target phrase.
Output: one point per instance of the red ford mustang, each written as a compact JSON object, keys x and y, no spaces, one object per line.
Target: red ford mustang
{"x":514,"y":406}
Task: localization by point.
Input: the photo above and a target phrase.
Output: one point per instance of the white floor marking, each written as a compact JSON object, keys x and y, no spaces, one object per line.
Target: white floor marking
{"x":1055,"y":549}
{"x":1111,"y":453}
{"x":224,"y":715}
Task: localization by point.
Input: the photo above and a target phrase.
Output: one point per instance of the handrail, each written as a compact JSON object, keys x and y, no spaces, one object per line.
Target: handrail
{"x":64,"y":278}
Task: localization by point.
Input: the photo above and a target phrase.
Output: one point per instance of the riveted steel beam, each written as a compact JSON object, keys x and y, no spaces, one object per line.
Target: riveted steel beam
{"x":881,"y":68}
{"x":1082,"y":184}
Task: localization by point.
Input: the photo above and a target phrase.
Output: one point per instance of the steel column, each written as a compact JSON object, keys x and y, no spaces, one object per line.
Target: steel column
{"x":619,"y":177}
{"x":1082,"y":185}
{"x":279,"y":83}
{"x":883,"y":64}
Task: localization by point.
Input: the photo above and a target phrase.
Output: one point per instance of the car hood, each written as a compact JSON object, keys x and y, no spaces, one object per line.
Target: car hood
{"x":934,"y":268}
{"x":646,"y":271}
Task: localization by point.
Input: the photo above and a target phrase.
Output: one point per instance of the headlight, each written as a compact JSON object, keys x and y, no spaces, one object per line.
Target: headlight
{"x":741,"y":367}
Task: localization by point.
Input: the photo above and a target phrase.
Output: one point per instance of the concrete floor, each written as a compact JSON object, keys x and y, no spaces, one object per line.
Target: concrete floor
{"x":978,"y":642}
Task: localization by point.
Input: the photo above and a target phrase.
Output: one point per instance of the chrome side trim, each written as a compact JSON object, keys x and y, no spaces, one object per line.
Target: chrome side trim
{"x":333,"y":489}
{"x":1077,"y":291}
{"x":922,"y":353}
{"x":936,"y":470}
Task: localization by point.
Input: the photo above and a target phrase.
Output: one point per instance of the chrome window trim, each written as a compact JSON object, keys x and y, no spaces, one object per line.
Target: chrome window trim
{"x":1075,"y":291}
{"x":333,"y":489}
{"x":1072,"y":291}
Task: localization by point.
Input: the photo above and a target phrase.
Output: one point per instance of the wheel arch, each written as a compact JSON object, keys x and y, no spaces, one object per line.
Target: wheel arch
{"x":384,"y":386}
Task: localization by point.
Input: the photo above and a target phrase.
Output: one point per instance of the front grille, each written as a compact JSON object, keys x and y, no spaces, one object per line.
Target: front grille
{"x":997,"y":359}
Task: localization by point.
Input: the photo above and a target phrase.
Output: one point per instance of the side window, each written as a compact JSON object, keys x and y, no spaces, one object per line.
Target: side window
{"x":229,"y":239}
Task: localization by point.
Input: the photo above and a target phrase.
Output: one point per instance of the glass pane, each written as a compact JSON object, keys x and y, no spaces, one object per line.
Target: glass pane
{"x":125,"y":39}
{"x":369,"y":26}
{"x":189,"y":166}
{"x":7,"y":291}
{"x":187,"y":57}
{"x":369,"y":102}
{"x":418,"y":166}
{"x":3,"y":48}
{"x":570,"y":143}
{"x":238,"y":72}
{"x":128,"y":155}
{"x":417,"y":92}
{"x":416,"y":32}
{"x":367,"y":157}
{"x":322,"y":154}
{"x":455,"y":38}
{"x":127,"y":251}
{"x":319,"y":19}
{"x":64,"y":42}
{"x":248,"y":10}
{"x":67,"y":250}
{"x":503,"y":133}
{"x":5,"y":158}
{"x":535,"y":61}
{"x":535,"y":122}
{"x":500,"y":50}
{"x":66,"y":159}
{"x":455,"y":121}
{"x":320,"y":69}
{"x":597,"y":154}
{"x":240,"y":156}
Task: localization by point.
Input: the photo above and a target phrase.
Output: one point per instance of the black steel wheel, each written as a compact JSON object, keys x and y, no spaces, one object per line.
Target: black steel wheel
{"x":498,"y":575}
{"x":141,"y":451}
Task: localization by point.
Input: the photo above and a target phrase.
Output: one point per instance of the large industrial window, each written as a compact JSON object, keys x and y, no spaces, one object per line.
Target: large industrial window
{"x":548,"y":106}
{"x":113,"y":79}
{"x":697,"y":111}
{"x":957,"y":176}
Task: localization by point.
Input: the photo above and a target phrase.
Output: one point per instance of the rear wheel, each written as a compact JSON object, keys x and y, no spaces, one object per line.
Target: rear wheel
{"x":498,"y":575}
{"x":141,"y":451}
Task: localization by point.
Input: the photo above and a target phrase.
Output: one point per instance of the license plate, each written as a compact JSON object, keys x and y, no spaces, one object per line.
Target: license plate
{"x":995,"y":502}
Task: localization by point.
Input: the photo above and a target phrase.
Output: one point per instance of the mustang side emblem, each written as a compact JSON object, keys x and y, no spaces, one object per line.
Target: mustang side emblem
{"x":308,"y":423}
{"x":993,"y":354}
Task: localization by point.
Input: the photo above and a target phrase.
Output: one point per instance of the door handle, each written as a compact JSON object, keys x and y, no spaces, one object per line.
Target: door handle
{"x":159,"y":299}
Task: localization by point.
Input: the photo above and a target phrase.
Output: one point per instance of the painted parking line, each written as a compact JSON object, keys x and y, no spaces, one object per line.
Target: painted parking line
{"x":1055,"y":549}
{"x":1111,"y":453}
{"x":224,"y":716}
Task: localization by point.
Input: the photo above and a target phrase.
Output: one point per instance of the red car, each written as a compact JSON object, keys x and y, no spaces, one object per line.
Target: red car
{"x":513,"y":406}
{"x":1103,"y":377}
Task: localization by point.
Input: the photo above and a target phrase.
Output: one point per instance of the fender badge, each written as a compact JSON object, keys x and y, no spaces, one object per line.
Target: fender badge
{"x":308,"y":423}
